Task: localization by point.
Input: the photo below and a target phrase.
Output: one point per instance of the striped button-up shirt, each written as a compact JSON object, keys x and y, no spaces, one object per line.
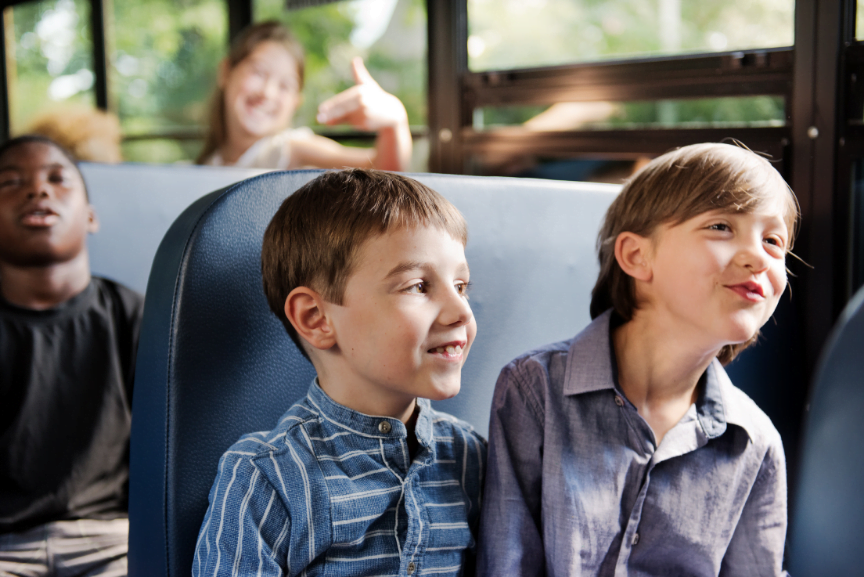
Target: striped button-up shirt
{"x":331,"y":491}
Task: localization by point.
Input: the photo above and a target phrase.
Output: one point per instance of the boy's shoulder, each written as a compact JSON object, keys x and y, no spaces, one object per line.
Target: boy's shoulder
{"x":588,"y":348}
{"x":288,"y":430}
{"x":446,"y":425}
{"x":743,"y":411}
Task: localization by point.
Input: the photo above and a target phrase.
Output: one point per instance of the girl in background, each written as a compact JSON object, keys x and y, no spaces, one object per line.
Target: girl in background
{"x":258,"y":91}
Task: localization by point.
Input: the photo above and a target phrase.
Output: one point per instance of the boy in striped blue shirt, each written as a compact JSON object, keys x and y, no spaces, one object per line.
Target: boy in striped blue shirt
{"x":367,"y":272}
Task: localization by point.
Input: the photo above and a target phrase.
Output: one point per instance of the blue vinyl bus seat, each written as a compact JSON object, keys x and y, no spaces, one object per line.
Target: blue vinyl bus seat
{"x":214,"y":363}
{"x":827,"y":536}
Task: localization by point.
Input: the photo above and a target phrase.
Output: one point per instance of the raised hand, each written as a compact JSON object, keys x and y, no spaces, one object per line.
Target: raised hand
{"x":365,"y":105}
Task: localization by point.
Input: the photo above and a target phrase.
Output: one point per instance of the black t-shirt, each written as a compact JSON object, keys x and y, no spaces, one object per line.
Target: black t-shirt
{"x":65,"y":398}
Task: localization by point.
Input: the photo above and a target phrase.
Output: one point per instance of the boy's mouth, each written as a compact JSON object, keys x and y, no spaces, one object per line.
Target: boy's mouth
{"x":452,"y":350}
{"x":750,"y":290}
{"x":39,"y":217}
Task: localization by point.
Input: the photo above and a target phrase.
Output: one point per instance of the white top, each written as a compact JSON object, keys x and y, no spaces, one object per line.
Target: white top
{"x":269,"y":152}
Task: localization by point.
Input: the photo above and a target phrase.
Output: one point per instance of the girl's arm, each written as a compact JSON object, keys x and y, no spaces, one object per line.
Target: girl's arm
{"x":368,"y":107}
{"x":510,"y":532}
{"x":757,"y":545}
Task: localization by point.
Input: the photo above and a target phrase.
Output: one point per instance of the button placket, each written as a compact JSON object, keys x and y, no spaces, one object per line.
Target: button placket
{"x":385,"y":427}
{"x":411,"y":568}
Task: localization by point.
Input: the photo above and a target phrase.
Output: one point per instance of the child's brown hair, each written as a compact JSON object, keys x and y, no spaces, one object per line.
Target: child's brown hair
{"x":241,"y":47}
{"x":314,"y":237}
{"x":673,"y":188}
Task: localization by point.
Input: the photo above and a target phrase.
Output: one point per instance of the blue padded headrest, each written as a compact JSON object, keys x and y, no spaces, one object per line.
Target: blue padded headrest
{"x":214,"y":363}
{"x":826,"y":536}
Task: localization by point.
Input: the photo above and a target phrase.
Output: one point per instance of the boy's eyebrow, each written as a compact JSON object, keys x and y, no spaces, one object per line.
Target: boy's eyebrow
{"x":414,"y":265}
{"x":407,"y":266}
{"x":44,"y":166}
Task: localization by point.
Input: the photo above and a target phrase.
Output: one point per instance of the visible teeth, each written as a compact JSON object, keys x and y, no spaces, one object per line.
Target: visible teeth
{"x":458,"y":349}
{"x":450,"y":350}
{"x":440,"y":350}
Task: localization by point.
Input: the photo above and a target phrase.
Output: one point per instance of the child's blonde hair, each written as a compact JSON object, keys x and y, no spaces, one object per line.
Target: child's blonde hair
{"x":672,"y":189}
{"x":242,"y":46}
{"x":89,"y":134}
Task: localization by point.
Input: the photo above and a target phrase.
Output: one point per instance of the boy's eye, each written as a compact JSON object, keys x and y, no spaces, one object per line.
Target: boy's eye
{"x":9,"y":181}
{"x":417,"y":288}
{"x":462,"y":288}
{"x":778,"y":242}
{"x":719,"y":226}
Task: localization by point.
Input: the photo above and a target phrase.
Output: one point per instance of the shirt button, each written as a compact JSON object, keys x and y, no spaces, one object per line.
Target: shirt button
{"x":384,"y":427}
{"x":411,"y":568}
{"x":619,"y":401}
{"x":635,"y":538}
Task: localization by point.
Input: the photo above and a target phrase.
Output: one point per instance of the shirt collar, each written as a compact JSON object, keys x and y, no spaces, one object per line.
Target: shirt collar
{"x":371,"y":425}
{"x":590,"y":368}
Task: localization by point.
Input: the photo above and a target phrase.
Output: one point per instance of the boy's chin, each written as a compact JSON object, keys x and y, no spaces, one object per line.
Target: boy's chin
{"x":444,"y":392}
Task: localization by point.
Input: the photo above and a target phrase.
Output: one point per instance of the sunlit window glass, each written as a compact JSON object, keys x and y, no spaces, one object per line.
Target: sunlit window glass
{"x":859,"y":20}
{"x":389,"y":34}
{"x":164,"y":58}
{"x":739,"y":111}
{"x":49,"y":61}
{"x":528,"y":33}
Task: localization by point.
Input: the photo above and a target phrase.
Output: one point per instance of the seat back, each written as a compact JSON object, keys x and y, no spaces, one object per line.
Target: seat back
{"x":214,"y":363}
{"x":136,"y":204}
{"x":826,"y":536}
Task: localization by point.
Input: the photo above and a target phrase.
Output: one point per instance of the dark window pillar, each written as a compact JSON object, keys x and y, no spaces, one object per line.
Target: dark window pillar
{"x":239,"y":16}
{"x":4,"y":88}
{"x":100,"y":53}
{"x":448,"y":61}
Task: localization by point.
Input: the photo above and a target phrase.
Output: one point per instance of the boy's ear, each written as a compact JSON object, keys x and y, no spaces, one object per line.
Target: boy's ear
{"x":305,"y":310}
{"x":92,"y":221}
{"x":632,"y":252}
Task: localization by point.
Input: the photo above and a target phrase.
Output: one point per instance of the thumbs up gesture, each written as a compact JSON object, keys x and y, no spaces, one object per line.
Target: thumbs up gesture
{"x":365,"y":105}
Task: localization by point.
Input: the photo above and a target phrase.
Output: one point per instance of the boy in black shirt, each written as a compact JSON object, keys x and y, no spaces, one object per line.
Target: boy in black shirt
{"x":66,"y":367}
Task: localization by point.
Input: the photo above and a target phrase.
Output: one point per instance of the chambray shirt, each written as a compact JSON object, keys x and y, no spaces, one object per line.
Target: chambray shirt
{"x":331,"y":491}
{"x":576,"y":484}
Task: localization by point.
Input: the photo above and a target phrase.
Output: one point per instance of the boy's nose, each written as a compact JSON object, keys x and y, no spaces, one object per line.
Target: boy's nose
{"x":753,"y":255}
{"x":38,"y":187}
{"x":456,"y":311}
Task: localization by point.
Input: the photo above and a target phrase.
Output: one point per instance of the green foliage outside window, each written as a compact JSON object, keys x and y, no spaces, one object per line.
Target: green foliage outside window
{"x":164,"y":54}
{"x":49,"y":57}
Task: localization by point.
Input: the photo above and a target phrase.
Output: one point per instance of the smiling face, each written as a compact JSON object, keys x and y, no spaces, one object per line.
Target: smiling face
{"x":718,"y":276}
{"x":404,"y":327}
{"x":44,"y":212}
{"x":261,"y":92}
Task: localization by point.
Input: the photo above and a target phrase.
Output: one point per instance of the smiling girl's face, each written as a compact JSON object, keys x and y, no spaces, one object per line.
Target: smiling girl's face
{"x":261,"y":92}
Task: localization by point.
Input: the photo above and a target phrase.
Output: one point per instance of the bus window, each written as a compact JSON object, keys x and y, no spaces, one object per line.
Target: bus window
{"x":507,"y":34}
{"x":750,"y":111}
{"x":161,"y":74}
{"x":390,"y":35}
{"x":48,"y":58}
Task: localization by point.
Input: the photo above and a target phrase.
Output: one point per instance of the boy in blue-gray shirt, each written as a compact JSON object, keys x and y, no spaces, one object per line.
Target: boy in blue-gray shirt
{"x":367,"y":271}
{"x":626,"y":450}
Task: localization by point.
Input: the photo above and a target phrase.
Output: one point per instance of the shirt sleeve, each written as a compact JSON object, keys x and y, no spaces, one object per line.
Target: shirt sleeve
{"x":757,"y":544}
{"x":510,"y":531}
{"x":246,"y":528}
